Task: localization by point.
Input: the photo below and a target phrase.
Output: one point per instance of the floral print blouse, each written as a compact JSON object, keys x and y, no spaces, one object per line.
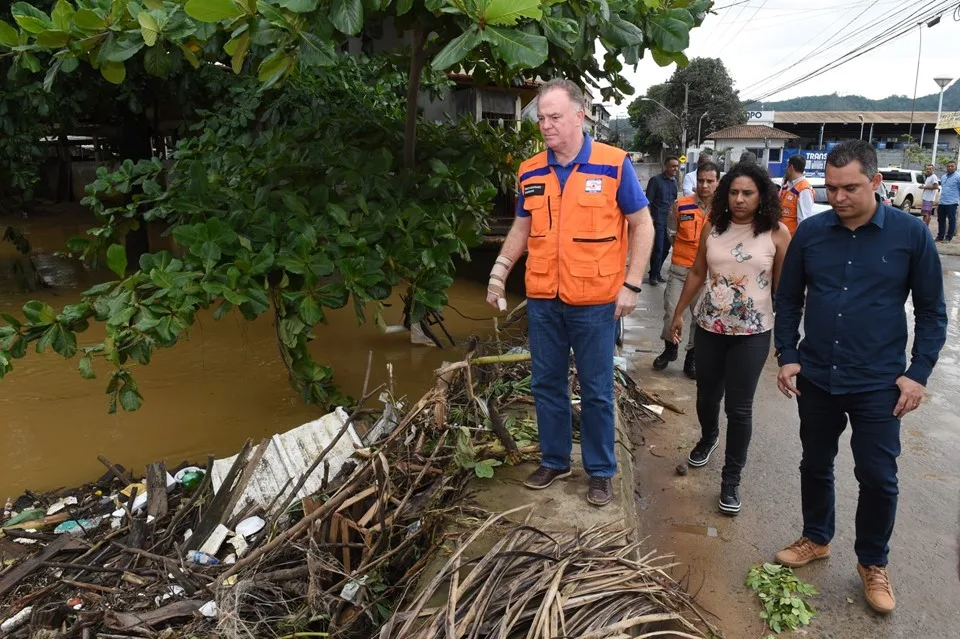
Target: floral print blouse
{"x":738,"y":295}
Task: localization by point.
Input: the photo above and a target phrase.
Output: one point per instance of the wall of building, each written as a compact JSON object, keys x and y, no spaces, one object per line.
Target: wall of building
{"x":769,"y":152}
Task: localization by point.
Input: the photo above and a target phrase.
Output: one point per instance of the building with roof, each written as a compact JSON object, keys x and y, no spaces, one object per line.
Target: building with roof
{"x":886,"y":130}
{"x":763,"y":140}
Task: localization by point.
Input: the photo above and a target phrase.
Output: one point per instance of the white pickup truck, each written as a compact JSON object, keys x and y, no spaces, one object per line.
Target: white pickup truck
{"x":905,"y":187}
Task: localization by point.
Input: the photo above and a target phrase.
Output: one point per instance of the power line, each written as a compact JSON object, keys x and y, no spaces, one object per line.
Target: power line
{"x":745,"y":22}
{"x":865,"y":35}
{"x":926,"y":13}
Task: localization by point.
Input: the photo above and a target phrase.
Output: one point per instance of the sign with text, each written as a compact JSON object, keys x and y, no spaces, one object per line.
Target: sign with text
{"x":760,"y":117}
{"x":816,"y":163}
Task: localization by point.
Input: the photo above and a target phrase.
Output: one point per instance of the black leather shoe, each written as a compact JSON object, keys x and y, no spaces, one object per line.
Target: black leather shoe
{"x":668,"y":355}
{"x":690,"y":365}
{"x":729,"y":500}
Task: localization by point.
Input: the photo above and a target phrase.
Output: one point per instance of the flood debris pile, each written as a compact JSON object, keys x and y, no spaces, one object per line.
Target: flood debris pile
{"x":533,"y":584}
{"x":323,"y":529}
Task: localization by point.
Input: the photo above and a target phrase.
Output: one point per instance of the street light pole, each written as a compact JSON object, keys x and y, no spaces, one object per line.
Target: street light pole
{"x":700,"y":127}
{"x":683,"y":127}
{"x":683,"y":120}
{"x":861,"y":125}
{"x":941,"y":82}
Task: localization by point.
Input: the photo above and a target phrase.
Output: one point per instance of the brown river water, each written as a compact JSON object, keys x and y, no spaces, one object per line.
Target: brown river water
{"x":207,"y":395}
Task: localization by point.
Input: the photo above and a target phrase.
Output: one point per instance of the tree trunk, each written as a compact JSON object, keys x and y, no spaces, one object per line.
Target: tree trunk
{"x":417,"y":60}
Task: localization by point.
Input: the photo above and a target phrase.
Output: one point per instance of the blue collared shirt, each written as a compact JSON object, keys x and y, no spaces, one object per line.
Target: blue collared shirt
{"x":856,"y":285}
{"x":950,"y":188}
{"x":662,"y":192}
{"x":630,"y":196}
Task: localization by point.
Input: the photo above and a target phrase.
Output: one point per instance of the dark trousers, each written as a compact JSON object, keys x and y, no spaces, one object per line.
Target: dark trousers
{"x":728,"y":368}
{"x":661,"y":244}
{"x":946,"y":221}
{"x":875,"y":440}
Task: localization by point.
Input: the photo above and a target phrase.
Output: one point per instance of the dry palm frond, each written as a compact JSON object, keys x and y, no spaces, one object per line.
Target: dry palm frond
{"x":530,"y":584}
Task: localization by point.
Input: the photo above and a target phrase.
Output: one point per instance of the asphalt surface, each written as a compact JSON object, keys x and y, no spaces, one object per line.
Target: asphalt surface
{"x":680,"y":514}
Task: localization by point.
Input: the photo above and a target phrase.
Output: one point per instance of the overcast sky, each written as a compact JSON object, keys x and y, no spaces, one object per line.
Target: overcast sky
{"x":788,"y":39}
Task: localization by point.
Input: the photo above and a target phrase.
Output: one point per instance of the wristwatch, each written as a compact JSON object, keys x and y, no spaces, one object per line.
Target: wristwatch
{"x":635,"y":289}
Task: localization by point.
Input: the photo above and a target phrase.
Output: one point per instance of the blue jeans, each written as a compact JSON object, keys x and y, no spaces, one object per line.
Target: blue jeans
{"x":946,"y":221}
{"x":554,"y":328}
{"x":875,"y":441}
{"x":661,"y":244}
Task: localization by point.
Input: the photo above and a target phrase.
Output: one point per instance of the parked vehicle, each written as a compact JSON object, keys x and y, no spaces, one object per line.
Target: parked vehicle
{"x":905,"y":187}
{"x":820,"y":201}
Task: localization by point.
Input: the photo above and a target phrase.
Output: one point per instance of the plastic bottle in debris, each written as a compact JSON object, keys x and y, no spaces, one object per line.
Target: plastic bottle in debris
{"x":192,"y":479}
{"x":8,"y":509}
{"x":202,"y":558}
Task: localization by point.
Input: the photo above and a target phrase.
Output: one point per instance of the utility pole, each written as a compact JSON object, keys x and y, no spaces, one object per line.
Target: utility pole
{"x":683,"y":119}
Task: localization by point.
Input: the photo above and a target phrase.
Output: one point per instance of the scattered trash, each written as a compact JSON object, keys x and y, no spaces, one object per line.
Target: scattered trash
{"x":654,"y":408}
{"x":239,"y":545}
{"x":78,"y":527}
{"x":682,"y":469}
{"x":75,"y":602}
{"x":350,"y":590}
{"x":25,"y":541}
{"x":8,"y":509}
{"x":250,"y":526}
{"x":287,"y":457}
{"x":17,"y":620}
{"x":190,"y":477}
{"x":60,"y":505}
{"x":212,"y":545}
{"x":210,"y":610}
{"x":201,"y":558}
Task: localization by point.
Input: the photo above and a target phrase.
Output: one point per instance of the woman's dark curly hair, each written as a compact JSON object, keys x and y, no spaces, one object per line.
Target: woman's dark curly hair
{"x":767,"y":218}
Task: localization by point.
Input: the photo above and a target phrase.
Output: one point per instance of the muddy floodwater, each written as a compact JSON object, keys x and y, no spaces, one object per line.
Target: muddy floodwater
{"x":223,"y":384}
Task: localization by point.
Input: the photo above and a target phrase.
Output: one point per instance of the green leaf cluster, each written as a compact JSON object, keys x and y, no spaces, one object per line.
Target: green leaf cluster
{"x":782,"y":595}
{"x":292,"y":203}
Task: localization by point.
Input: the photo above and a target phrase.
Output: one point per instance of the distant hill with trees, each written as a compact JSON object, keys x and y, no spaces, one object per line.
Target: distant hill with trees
{"x":834,"y":102}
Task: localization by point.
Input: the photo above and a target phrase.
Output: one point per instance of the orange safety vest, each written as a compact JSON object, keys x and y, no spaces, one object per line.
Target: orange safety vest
{"x":577,"y":248}
{"x":789,"y":201}
{"x":690,"y":221}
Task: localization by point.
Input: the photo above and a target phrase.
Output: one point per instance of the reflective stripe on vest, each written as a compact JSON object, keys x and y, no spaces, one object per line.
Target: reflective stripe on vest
{"x":789,"y":202}
{"x":690,"y":221}
{"x":577,"y":248}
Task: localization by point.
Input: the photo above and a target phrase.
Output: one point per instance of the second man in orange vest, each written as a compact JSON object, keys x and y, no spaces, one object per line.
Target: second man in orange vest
{"x":685,"y":225}
{"x":796,"y":194}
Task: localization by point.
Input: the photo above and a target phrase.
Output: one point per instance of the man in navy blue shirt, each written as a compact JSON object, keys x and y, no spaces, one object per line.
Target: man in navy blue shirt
{"x":856,"y":265}
{"x":662,"y":194}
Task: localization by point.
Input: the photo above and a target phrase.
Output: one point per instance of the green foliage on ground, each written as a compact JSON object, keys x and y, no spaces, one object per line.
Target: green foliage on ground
{"x":782,"y":595}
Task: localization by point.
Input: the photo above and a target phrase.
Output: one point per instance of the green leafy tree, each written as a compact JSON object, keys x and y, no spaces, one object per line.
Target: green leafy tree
{"x":711,"y":92}
{"x":305,"y":190}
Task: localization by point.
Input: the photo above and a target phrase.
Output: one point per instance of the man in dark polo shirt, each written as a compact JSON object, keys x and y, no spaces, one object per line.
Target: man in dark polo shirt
{"x":856,"y":265}
{"x":662,"y":193}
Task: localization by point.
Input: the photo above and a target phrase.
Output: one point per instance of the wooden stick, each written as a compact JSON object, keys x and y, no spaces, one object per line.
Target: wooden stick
{"x":156,"y":490}
{"x":482,"y":361}
{"x":115,"y":470}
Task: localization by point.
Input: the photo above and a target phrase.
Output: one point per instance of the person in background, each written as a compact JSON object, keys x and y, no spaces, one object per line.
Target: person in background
{"x":947,"y":209}
{"x":579,"y":209}
{"x":848,"y":274}
{"x":662,"y":193}
{"x":930,"y":187}
{"x":685,"y":228}
{"x":741,"y":249}
{"x":690,"y":179}
{"x":796,"y":194}
{"x":748,"y":157}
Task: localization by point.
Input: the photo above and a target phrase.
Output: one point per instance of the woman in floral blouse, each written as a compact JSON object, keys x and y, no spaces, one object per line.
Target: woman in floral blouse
{"x":741,"y":250}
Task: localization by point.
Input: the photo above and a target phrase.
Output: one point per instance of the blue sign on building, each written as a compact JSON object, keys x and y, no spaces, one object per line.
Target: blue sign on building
{"x":816,"y":163}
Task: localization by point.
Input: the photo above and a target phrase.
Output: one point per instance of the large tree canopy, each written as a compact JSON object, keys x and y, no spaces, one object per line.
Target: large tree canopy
{"x":711,"y":92}
{"x":298,"y":186}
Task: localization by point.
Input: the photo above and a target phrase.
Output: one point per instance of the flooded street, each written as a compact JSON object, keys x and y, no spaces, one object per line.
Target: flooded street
{"x":680,"y":513}
{"x":205,"y":396}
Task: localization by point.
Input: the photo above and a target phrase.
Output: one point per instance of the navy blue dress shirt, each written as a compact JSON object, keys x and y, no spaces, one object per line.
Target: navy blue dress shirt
{"x":662,"y":193}
{"x":856,"y":285}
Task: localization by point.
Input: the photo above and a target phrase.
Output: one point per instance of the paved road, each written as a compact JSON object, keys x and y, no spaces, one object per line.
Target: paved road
{"x":680,"y":513}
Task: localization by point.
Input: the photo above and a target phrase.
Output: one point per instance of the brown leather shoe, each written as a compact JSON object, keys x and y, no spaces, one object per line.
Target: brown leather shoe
{"x":802,"y":552}
{"x":877,"y":588}
{"x":543,"y":477}
{"x":600,"y":492}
